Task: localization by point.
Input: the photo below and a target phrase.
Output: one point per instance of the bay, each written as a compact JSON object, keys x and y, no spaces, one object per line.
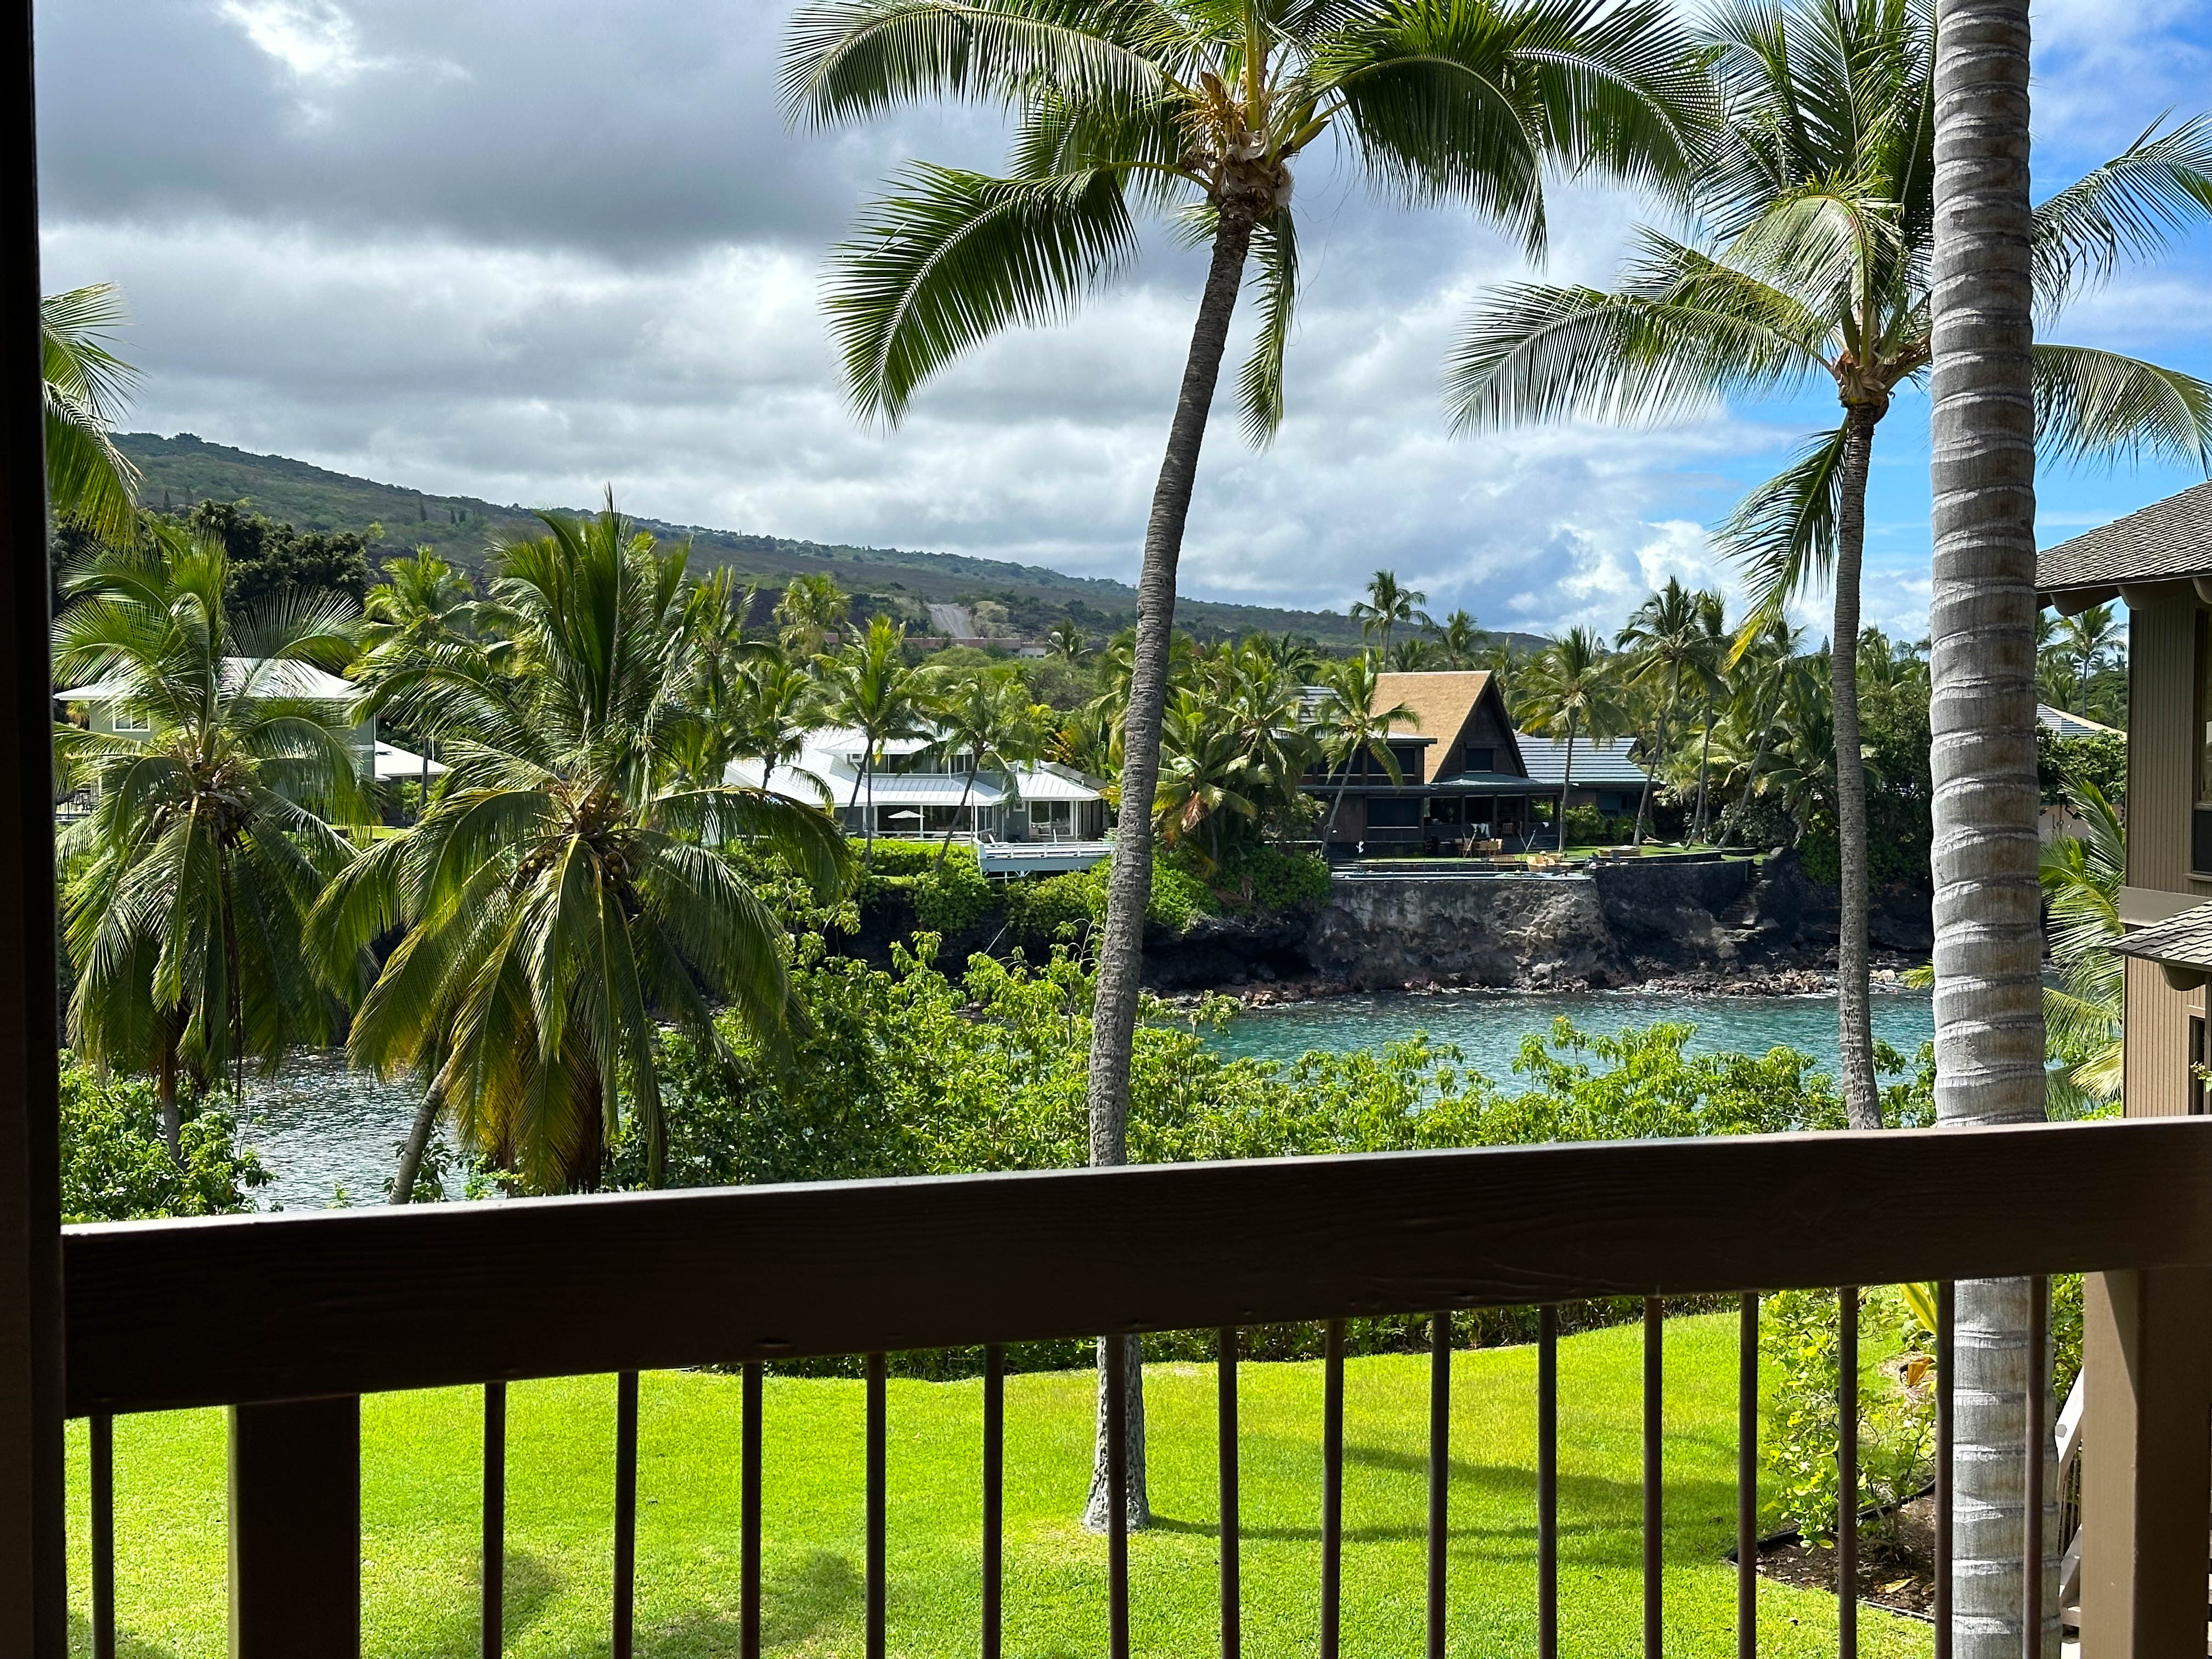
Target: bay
{"x":330,"y":1136}
{"x":1488,"y":1027}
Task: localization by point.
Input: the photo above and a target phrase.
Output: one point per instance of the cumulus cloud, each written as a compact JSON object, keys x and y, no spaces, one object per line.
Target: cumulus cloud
{"x":521,"y":251}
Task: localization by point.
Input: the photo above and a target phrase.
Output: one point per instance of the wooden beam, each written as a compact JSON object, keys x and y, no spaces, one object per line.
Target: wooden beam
{"x":34,"y":1608}
{"x":295,"y":1531}
{"x":2145,"y":1461}
{"x":242,"y":1309}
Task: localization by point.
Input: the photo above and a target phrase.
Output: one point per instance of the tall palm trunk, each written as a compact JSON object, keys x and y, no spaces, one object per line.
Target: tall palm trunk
{"x":418,"y":1142}
{"x":1566,"y":784}
{"x":1129,"y":884}
{"x":1854,"y":1017}
{"x":164,"y":1090}
{"x":966,"y":790}
{"x":1751,"y":776}
{"x":1988,"y":1017}
{"x":1701,"y":823}
{"x":1656,"y":759}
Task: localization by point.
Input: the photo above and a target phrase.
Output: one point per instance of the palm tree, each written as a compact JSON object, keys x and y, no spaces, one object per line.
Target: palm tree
{"x":1350,"y":723}
{"x":1206,"y":775}
{"x":1820,"y":192}
{"x":421,"y":607}
{"x":1764,"y":667}
{"x":1411,"y":656}
{"x":1990,"y":1048}
{"x":2085,"y":639}
{"x":770,"y":713}
{"x":1712,"y":621}
{"x":1570,"y":688}
{"x":1388,"y":606}
{"x":1198,"y":113}
{"x":868,"y":687}
{"x":985,"y":715}
{"x":1065,"y":641}
{"x":187,"y":886}
{"x":88,"y":481}
{"x":569,"y":892}
{"x":1666,"y":639}
{"x":812,"y":609}
{"x":1461,"y":640}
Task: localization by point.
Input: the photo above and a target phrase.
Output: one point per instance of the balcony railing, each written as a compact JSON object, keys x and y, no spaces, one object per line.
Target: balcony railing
{"x":289,"y":1319}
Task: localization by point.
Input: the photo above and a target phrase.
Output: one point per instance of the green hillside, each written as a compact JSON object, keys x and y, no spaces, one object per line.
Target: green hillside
{"x":181,"y":470}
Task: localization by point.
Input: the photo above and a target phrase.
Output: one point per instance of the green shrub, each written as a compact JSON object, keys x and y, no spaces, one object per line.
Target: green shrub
{"x":1799,"y":1336}
{"x":1272,"y":876}
{"x":1587,"y":827}
{"x":1042,"y":909}
{"x":947,"y":896}
{"x":116,"y":1166}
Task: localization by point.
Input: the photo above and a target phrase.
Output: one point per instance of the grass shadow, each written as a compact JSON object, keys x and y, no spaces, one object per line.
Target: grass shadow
{"x":127,"y":1646}
{"x":822,"y":1593}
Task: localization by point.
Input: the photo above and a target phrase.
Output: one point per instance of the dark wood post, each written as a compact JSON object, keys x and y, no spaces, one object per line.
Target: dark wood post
{"x":34,"y":1589}
{"x":295,"y":1531}
{"x":2146,"y":1461}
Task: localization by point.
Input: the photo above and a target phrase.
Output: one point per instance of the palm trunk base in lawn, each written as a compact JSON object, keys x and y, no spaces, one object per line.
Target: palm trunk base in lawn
{"x":1129,"y":881}
{"x":1988,"y":924}
{"x":1854,"y":1017}
{"x":1098,"y":1511}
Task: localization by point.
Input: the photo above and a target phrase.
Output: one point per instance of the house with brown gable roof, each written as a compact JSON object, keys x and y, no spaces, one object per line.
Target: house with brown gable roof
{"x":1463,"y":779}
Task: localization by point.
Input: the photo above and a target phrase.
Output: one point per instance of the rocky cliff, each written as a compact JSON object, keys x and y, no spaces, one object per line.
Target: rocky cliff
{"x":1615,"y":925}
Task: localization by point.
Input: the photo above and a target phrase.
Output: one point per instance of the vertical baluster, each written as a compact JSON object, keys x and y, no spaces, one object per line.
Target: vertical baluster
{"x":1547,"y":1483}
{"x":749,"y":1518}
{"x":1440,"y":1349}
{"x":625,"y":1511}
{"x":877,"y":1481}
{"x":2036,"y":1451}
{"x":101,"y":1451}
{"x":1847,"y":1471}
{"x":1117,"y":1497}
{"x":494,"y":1632}
{"x":1946,"y":1316}
{"x":1746,"y":1478}
{"x":995,"y":1492}
{"x":1225,"y":1416}
{"x":1331,"y":1488}
{"x":1654,"y":1509}
{"x":295,"y":1530}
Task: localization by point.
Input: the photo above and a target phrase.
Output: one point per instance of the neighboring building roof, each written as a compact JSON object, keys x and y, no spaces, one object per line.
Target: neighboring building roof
{"x":1050,"y":782}
{"x":2060,"y":724}
{"x":2181,"y":945}
{"x":2167,"y":541}
{"x":277,"y":679}
{"x":398,"y":765}
{"x":1597,"y":765}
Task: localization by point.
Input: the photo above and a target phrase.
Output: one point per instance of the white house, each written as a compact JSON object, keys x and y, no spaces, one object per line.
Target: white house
{"x":1032,"y":816}
{"x":106,"y":710}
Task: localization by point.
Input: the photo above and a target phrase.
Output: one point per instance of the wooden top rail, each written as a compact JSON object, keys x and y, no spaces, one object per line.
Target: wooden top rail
{"x":242,"y":1309}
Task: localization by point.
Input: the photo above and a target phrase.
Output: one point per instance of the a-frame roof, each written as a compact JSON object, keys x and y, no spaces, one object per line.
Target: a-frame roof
{"x":1445,"y":701}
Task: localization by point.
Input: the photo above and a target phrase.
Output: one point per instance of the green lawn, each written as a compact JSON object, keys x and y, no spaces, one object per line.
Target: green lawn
{"x":420,"y":1456}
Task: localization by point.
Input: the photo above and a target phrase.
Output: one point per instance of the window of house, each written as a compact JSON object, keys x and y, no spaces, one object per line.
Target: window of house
{"x":1394,"y":813}
{"x":1480,"y":760}
{"x":130,"y":723}
{"x":2198,"y":1061}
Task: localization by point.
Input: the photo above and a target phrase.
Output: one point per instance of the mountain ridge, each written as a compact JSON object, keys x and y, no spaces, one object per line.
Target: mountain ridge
{"x":178,"y":472}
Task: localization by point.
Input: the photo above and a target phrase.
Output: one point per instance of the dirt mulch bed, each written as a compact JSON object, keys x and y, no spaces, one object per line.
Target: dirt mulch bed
{"x":1897,"y":1576}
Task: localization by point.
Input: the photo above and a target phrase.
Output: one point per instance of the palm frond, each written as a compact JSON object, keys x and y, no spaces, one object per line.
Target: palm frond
{"x":955,"y":257}
{"x":2130,"y":208}
{"x":850,"y":59}
{"x":2100,"y":406}
{"x":1784,"y":532}
{"x":1534,"y":353}
{"x":1259,"y":386}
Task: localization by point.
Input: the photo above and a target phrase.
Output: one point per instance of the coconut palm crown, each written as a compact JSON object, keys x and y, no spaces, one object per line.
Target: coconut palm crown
{"x":570,"y":888}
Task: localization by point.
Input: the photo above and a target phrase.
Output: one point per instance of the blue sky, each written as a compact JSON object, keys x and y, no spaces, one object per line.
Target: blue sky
{"x":522,"y":250}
